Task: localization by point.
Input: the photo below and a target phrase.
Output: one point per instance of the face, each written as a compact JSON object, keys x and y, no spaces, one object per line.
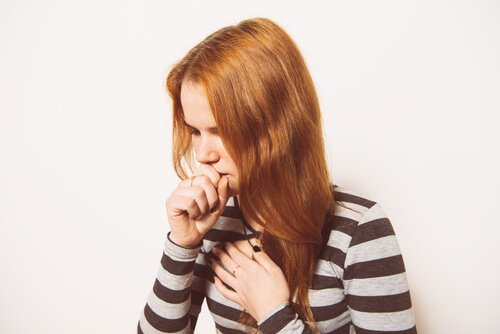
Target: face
{"x":207,"y":144}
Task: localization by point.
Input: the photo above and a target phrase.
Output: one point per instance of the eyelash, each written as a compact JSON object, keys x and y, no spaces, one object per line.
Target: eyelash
{"x":194,"y":132}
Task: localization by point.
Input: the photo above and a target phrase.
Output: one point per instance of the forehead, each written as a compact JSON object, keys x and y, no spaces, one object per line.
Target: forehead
{"x":195,"y":105}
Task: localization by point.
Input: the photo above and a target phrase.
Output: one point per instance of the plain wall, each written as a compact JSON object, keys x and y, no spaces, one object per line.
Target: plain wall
{"x":410,"y":98}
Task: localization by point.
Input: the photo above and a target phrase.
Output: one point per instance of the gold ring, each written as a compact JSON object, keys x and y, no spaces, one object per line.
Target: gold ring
{"x":234,"y":270}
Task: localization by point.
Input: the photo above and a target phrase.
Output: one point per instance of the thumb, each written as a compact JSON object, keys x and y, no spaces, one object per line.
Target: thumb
{"x":223,"y":192}
{"x":264,"y":260}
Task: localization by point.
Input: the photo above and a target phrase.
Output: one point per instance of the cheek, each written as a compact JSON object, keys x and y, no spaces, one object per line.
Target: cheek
{"x":233,"y":186}
{"x":222,"y":149}
{"x":227,"y":158}
{"x":195,"y":143}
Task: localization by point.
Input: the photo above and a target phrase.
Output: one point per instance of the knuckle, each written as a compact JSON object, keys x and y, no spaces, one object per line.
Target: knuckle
{"x":170,"y":202}
{"x":222,"y":256}
{"x":191,"y":203}
{"x":205,"y":180}
{"x":202,"y":168}
{"x":230,"y":248}
{"x":199,"y":191}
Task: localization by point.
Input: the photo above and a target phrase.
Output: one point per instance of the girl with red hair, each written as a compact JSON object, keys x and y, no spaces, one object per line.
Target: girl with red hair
{"x":257,"y":228}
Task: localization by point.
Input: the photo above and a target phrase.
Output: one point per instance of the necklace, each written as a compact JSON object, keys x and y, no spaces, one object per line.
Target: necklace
{"x":257,"y":234}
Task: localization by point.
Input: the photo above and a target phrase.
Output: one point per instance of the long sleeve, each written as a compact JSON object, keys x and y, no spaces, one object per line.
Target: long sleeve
{"x":283,"y":320}
{"x":374,"y":282}
{"x":374,"y":279}
{"x":359,"y":281}
{"x":171,"y":306}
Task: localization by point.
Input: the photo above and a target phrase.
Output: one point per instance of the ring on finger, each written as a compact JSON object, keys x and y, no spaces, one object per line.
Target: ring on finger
{"x":234,"y":270}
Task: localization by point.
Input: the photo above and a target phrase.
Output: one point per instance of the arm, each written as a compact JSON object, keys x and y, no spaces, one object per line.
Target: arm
{"x":375,"y":285}
{"x":374,"y":279}
{"x":192,"y":209}
{"x":171,"y":307}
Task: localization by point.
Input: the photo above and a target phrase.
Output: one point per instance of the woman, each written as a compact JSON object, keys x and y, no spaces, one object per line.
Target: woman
{"x":258,"y":230}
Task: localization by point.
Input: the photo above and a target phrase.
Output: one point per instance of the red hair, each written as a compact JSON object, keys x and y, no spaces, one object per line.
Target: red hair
{"x":265,"y":105}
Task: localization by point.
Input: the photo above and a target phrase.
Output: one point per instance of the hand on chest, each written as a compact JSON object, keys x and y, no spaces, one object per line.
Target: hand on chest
{"x":245,"y":247}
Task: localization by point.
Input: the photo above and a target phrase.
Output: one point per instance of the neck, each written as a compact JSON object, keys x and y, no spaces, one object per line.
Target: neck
{"x":255,"y":226}
{"x":250,"y":222}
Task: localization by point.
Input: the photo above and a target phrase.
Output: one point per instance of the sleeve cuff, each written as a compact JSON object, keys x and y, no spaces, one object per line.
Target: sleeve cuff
{"x":180,"y":253}
{"x":277,"y":319}
{"x":273,"y":311}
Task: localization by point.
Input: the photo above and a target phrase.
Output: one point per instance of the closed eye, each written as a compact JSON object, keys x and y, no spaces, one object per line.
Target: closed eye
{"x":193,"y":131}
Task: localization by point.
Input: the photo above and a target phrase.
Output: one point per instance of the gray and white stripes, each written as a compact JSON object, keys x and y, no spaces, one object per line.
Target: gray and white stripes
{"x":359,"y":281}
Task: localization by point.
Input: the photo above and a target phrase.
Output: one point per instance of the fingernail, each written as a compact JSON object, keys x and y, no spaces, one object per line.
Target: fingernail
{"x":256,"y":248}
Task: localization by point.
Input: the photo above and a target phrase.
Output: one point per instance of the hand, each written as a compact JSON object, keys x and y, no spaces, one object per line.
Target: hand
{"x":259,"y":286}
{"x":195,"y":205}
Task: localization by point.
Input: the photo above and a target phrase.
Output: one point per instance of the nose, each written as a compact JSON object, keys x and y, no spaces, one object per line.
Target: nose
{"x":206,"y":151}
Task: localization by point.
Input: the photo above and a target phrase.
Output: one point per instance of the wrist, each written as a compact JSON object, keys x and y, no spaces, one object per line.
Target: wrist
{"x":183,"y":242}
{"x":266,"y":315}
{"x":276,"y":321}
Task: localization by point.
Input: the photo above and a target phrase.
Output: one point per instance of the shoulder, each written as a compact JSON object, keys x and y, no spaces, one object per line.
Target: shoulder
{"x":356,"y":220}
{"x":353,"y":210}
{"x":370,"y":265}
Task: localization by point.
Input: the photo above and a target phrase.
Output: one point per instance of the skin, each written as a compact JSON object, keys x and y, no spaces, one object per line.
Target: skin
{"x":195,"y":205}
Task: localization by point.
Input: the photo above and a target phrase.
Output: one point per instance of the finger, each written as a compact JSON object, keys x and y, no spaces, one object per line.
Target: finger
{"x":227,"y":293}
{"x":265,"y":261}
{"x":225,"y":260}
{"x":208,"y":170}
{"x":238,"y":256}
{"x":204,"y":182}
{"x":191,"y":207}
{"x":180,"y":205}
{"x":186,"y":183}
{"x":223,"y":194}
{"x":198,"y":195}
{"x":222,"y":272}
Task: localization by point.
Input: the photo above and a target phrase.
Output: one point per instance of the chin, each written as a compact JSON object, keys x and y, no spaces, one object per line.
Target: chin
{"x":233,"y":191}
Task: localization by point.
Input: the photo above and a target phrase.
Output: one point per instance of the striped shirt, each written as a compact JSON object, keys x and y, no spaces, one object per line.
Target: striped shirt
{"x":359,"y":285}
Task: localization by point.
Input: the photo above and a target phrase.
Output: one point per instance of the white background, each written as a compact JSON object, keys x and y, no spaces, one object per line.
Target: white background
{"x":410,"y":98}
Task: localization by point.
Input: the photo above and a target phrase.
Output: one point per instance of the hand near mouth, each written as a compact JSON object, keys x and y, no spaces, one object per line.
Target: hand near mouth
{"x":195,"y":205}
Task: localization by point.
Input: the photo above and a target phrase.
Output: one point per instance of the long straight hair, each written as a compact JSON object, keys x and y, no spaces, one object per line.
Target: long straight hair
{"x":265,"y":105}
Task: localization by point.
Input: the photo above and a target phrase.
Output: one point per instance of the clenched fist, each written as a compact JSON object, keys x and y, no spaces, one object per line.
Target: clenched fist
{"x":195,"y":205}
